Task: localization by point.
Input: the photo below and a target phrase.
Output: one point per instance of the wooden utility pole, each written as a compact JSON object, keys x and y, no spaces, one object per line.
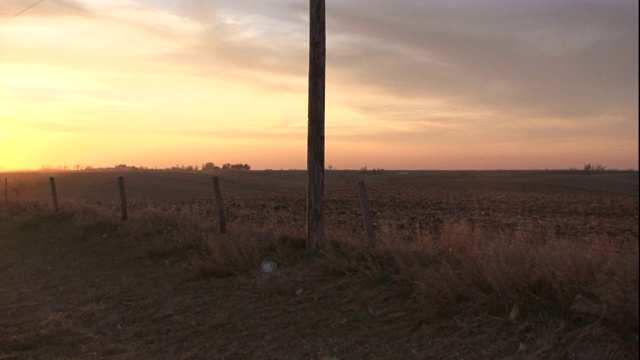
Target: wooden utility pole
{"x":315,"y":135}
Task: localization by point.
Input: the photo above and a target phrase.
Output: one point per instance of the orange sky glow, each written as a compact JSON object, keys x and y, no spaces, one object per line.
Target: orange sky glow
{"x":410,"y":85}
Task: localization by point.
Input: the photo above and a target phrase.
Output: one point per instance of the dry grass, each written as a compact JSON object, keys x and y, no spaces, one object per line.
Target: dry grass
{"x":552,"y":294}
{"x":591,"y":279}
{"x":587,"y":279}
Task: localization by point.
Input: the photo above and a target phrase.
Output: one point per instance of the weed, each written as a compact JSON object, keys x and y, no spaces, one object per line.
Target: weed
{"x":567,"y":273}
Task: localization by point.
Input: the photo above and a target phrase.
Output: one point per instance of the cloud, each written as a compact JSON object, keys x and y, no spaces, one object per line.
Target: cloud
{"x":529,"y":57}
{"x":533,"y":71}
{"x":402,"y":73}
{"x":252,"y":42}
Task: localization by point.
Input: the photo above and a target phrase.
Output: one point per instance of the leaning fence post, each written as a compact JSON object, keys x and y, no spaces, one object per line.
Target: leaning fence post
{"x":123,"y":198}
{"x":54,"y":193}
{"x":219,"y":208}
{"x":366,"y":213}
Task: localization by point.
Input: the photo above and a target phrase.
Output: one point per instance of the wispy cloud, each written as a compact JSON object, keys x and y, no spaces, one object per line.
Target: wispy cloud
{"x":551,"y":58}
{"x":493,"y":74}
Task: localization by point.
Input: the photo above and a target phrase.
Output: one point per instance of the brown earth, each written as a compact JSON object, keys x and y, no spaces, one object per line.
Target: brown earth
{"x":175,"y":185}
{"x":73,"y":290}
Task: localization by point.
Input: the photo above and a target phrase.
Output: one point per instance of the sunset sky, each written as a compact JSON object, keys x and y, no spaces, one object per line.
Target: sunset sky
{"x":440,"y":84}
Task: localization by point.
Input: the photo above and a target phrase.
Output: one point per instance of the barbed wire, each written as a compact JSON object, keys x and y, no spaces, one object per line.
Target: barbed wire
{"x":623,"y":245}
{"x":94,"y":185}
{"x":531,"y":231}
{"x":173,"y":179}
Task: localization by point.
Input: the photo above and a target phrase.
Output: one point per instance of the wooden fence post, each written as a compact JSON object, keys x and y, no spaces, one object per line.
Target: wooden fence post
{"x":366,"y":213}
{"x":315,"y":132}
{"x":54,"y":193}
{"x":219,"y":207}
{"x":6,"y":191}
{"x":123,"y":198}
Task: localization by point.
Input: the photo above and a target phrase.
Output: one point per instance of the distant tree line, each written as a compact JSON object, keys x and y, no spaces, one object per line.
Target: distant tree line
{"x":589,"y":167}
{"x":364,"y":169}
{"x":209,"y":166}
{"x":236,"y":167}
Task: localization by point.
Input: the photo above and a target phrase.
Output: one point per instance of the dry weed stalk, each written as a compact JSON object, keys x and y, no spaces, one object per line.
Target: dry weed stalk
{"x":588,"y":278}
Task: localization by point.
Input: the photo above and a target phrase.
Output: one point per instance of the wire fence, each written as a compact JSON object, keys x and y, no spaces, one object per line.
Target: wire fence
{"x":269,"y":204}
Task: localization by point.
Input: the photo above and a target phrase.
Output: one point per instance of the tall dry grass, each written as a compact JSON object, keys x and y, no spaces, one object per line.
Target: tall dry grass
{"x":463,"y":268}
{"x":589,"y":279}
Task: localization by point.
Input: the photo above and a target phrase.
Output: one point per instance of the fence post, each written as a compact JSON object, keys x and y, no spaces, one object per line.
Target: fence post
{"x":123,"y":198}
{"x":366,"y":213}
{"x":6,"y":191}
{"x":54,"y":193}
{"x":219,"y":208}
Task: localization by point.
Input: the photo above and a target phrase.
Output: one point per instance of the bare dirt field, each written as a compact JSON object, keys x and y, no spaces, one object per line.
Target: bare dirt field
{"x":173,"y":185}
{"x":81,"y":284}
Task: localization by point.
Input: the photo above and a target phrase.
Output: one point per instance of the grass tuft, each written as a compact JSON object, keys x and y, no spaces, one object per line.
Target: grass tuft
{"x":459,"y":268}
{"x":470,"y":267}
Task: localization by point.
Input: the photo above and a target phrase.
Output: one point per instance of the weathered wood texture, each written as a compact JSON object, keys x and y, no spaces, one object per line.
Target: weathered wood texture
{"x":123,"y":198}
{"x":219,"y":207}
{"x":366,"y":213}
{"x":54,"y":192}
{"x":315,"y":140}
